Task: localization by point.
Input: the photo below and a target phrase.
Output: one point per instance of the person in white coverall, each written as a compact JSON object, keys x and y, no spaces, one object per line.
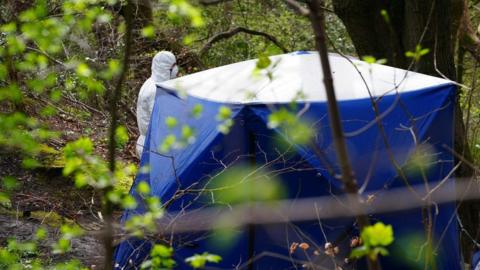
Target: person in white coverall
{"x":164,"y":68}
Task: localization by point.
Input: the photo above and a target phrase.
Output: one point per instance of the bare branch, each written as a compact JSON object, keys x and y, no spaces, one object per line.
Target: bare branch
{"x":298,"y":7}
{"x":213,"y":2}
{"x":237,"y":30}
{"x":317,"y":18}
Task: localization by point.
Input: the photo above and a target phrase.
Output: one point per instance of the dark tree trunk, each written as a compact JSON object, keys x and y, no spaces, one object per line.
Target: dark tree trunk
{"x":141,"y":57}
{"x":433,"y":24}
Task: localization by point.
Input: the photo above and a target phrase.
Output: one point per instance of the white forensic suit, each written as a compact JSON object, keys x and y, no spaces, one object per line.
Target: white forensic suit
{"x":164,"y":68}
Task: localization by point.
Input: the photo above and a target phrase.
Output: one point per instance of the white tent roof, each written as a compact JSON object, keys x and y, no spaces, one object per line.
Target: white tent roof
{"x":298,"y":77}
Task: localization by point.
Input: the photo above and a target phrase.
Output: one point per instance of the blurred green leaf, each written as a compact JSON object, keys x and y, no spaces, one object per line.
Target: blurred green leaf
{"x":224,"y":113}
{"x":296,"y":130}
{"x":241,"y":184}
{"x":143,"y":188}
{"x":378,"y":234}
{"x":148,"y":31}
{"x":385,"y":15}
{"x":200,"y":260}
{"x":121,"y":136}
{"x":263,"y":62}
{"x":375,"y":238}
{"x":83,"y":70}
{"x":171,"y":122}
{"x":197,"y":111}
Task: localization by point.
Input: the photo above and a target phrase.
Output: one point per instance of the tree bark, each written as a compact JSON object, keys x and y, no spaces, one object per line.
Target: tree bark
{"x":116,"y":93}
{"x":317,"y":19}
{"x":141,"y":58}
{"x":433,"y":24}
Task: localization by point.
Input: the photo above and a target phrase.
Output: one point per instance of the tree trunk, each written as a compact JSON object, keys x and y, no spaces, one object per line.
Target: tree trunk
{"x":141,"y":58}
{"x":433,"y":24}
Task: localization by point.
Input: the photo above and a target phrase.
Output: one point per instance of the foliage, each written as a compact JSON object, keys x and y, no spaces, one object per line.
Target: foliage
{"x":375,"y":238}
{"x":242,"y":184}
{"x":224,"y":117}
{"x":161,"y":258}
{"x":25,"y":255}
{"x":296,"y":131}
{"x":200,"y":260}
{"x":68,"y":233}
{"x":90,"y":169}
{"x":418,"y":53}
{"x":372,"y":60}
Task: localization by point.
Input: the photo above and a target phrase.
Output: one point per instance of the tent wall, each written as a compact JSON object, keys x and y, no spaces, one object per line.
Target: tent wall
{"x":425,"y":113}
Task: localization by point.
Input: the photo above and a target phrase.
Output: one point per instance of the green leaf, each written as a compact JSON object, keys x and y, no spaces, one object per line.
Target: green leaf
{"x":240,"y":183}
{"x":148,"y":31}
{"x":372,"y":60}
{"x":263,"y":62}
{"x":224,"y":113}
{"x":369,"y":59}
{"x":409,"y":54}
{"x":199,"y":260}
{"x":418,"y":53}
{"x":62,"y":246}
{"x":82,"y":146}
{"x":3,"y":72}
{"x":114,"y":69}
{"x":114,"y":196}
{"x":30,"y":163}
{"x":382,"y":61}
{"x":167,"y":144}
{"x":378,"y":234}
{"x":188,"y":133}
{"x":424,"y":51}
{"x":381,"y":250}
{"x":385,"y":15}
{"x":15,"y":45}
{"x":143,"y":188}
{"x":71,"y":231}
{"x":171,"y":122}
{"x":189,"y":39}
{"x":146,"y":264}
{"x":273,"y":49}
{"x":179,"y":9}
{"x":162,"y":251}
{"x":121,"y":135}
{"x":41,"y":233}
{"x":83,"y":70}
{"x":128,"y":202}
{"x":5,"y":200}
{"x":224,"y":127}
{"x":10,"y":183}
{"x":9,"y":27}
{"x":213,"y":258}
{"x":197,"y":111}
{"x":359,"y":252}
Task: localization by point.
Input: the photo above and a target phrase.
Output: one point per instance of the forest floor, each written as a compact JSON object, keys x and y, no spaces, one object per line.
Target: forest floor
{"x":45,"y":198}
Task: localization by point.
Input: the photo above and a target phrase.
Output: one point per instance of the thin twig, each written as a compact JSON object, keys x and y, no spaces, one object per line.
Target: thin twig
{"x":317,"y":18}
{"x":107,"y":207}
{"x":213,"y":2}
{"x":237,"y":30}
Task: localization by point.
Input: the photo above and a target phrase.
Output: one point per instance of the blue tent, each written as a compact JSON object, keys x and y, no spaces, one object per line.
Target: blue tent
{"x":415,"y":112}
